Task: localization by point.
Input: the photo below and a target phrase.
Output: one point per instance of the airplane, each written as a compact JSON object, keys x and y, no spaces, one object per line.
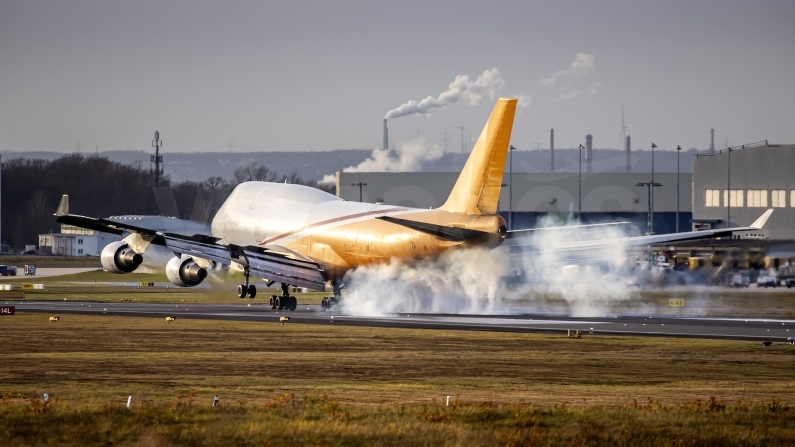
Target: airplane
{"x":304,"y":237}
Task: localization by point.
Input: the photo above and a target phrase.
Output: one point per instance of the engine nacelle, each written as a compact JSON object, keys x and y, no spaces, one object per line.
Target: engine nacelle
{"x":118,"y":257}
{"x":185,"y":272}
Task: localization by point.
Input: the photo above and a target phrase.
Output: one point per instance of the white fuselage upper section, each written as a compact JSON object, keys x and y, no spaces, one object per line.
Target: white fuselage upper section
{"x":264,"y":212}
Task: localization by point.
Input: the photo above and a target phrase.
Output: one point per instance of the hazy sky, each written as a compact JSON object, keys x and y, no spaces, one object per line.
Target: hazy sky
{"x":293,"y":75}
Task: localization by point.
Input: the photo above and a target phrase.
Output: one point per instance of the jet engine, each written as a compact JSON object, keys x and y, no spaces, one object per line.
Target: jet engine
{"x":185,"y":272}
{"x":118,"y":257}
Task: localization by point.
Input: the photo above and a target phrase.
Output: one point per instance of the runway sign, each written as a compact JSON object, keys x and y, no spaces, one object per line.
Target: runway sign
{"x":676,"y":302}
{"x":146,"y":284}
{"x":7,"y":310}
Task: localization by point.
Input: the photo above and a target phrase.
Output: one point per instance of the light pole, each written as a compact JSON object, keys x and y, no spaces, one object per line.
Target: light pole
{"x":510,"y":189}
{"x":650,"y":186}
{"x":360,"y":185}
{"x":651,"y":201}
{"x":729,"y":189}
{"x":678,"y":149}
{"x":579,"y":189}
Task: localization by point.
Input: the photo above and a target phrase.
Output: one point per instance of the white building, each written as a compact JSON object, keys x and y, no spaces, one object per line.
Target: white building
{"x":75,"y":241}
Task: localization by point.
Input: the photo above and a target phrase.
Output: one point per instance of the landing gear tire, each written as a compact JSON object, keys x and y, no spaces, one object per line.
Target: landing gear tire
{"x":242,"y":291}
{"x":273,"y":302}
{"x":252,"y":291}
{"x":278,"y":303}
{"x":328,"y":303}
{"x":292,"y":303}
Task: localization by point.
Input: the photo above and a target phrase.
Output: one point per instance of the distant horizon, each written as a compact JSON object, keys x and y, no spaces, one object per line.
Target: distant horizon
{"x":717,"y":148}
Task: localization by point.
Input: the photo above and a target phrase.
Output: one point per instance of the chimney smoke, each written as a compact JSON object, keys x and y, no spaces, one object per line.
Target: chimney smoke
{"x":551,"y":150}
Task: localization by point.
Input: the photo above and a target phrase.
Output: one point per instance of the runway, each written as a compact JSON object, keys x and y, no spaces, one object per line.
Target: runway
{"x":649,"y":325}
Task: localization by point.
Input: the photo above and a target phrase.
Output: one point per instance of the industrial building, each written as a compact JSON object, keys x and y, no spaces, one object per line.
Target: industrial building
{"x":604,"y":196}
{"x":734,"y":186}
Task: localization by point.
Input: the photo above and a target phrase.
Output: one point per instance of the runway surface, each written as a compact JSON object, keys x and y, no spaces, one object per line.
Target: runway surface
{"x":721,"y":328}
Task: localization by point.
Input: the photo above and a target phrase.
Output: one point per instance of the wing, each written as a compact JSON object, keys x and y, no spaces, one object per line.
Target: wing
{"x":647,"y":240}
{"x":271,"y":262}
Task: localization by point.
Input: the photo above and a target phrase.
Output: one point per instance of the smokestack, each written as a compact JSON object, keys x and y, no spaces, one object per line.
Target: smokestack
{"x":629,"y":156}
{"x":588,"y":153}
{"x":386,"y":136}
{"x":551,"y":150}
{"x":712,"y":141}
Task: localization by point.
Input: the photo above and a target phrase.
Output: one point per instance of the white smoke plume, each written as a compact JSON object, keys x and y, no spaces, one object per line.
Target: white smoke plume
{"x":582,"y":66}
{"x":478,"y":281}
{"x":459,"y":281}
{"x":487,"y":84}
{"x":523,"y":101}
{"x":407,"y":157}
{"x":587,"y":281}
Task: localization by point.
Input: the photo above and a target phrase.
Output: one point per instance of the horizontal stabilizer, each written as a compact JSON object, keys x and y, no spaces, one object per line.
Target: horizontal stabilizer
{"x":450,"y":233}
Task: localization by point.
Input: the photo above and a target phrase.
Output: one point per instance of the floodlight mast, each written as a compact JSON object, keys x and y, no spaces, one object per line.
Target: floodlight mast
{"x":678,"y":150}
{"x":579,"y":188}
{"x":360,"y":185}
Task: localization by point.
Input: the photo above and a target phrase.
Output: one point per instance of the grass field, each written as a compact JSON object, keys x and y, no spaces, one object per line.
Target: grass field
{"x":364,"y":386}
{"x":42,"y":261}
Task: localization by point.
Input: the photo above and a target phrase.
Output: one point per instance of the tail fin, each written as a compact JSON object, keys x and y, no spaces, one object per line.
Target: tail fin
{"x":477,"y":189}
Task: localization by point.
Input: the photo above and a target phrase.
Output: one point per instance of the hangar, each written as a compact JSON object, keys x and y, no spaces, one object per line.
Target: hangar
{"x":734,"y":185}
{"x":605,"y":196}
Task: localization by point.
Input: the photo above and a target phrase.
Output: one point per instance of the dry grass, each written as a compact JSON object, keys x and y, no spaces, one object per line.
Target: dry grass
{"x":99,"y":358}
{"x":333,"y":385}
{"x":315,"y":420}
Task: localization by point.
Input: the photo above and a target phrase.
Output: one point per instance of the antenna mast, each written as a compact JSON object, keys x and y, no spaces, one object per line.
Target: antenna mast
{"x":157,"y":159}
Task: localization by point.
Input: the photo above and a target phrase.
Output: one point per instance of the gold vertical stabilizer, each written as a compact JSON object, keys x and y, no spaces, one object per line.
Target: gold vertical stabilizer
{"x":477,"y":189}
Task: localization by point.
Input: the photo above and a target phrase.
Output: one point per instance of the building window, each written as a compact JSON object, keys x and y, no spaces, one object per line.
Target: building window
{"x":713,"y":197}
{"x":733,"y":198}
{"x":792,"y":198}
{"x":757,"y":198}
{"x":80,"y":251}
{"x":79,"y":242}
{"x":778,"y":198}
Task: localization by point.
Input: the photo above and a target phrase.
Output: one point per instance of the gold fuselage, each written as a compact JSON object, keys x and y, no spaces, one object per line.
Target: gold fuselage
{"x":338,"y":234}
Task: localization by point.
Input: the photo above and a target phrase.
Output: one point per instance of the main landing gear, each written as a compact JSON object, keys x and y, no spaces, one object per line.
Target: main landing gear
{"x":330,"y":302}
{"x":244,"y":290}
{"x":284,"y":302}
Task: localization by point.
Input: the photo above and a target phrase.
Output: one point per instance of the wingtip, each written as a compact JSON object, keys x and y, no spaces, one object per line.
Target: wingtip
{"x":760,"y":223}
{"x":63,"y":206}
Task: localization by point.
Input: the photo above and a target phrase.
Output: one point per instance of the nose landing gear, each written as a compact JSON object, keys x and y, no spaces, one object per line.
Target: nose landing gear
{"x":244,"y":290}
{"x":284,"y":302}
